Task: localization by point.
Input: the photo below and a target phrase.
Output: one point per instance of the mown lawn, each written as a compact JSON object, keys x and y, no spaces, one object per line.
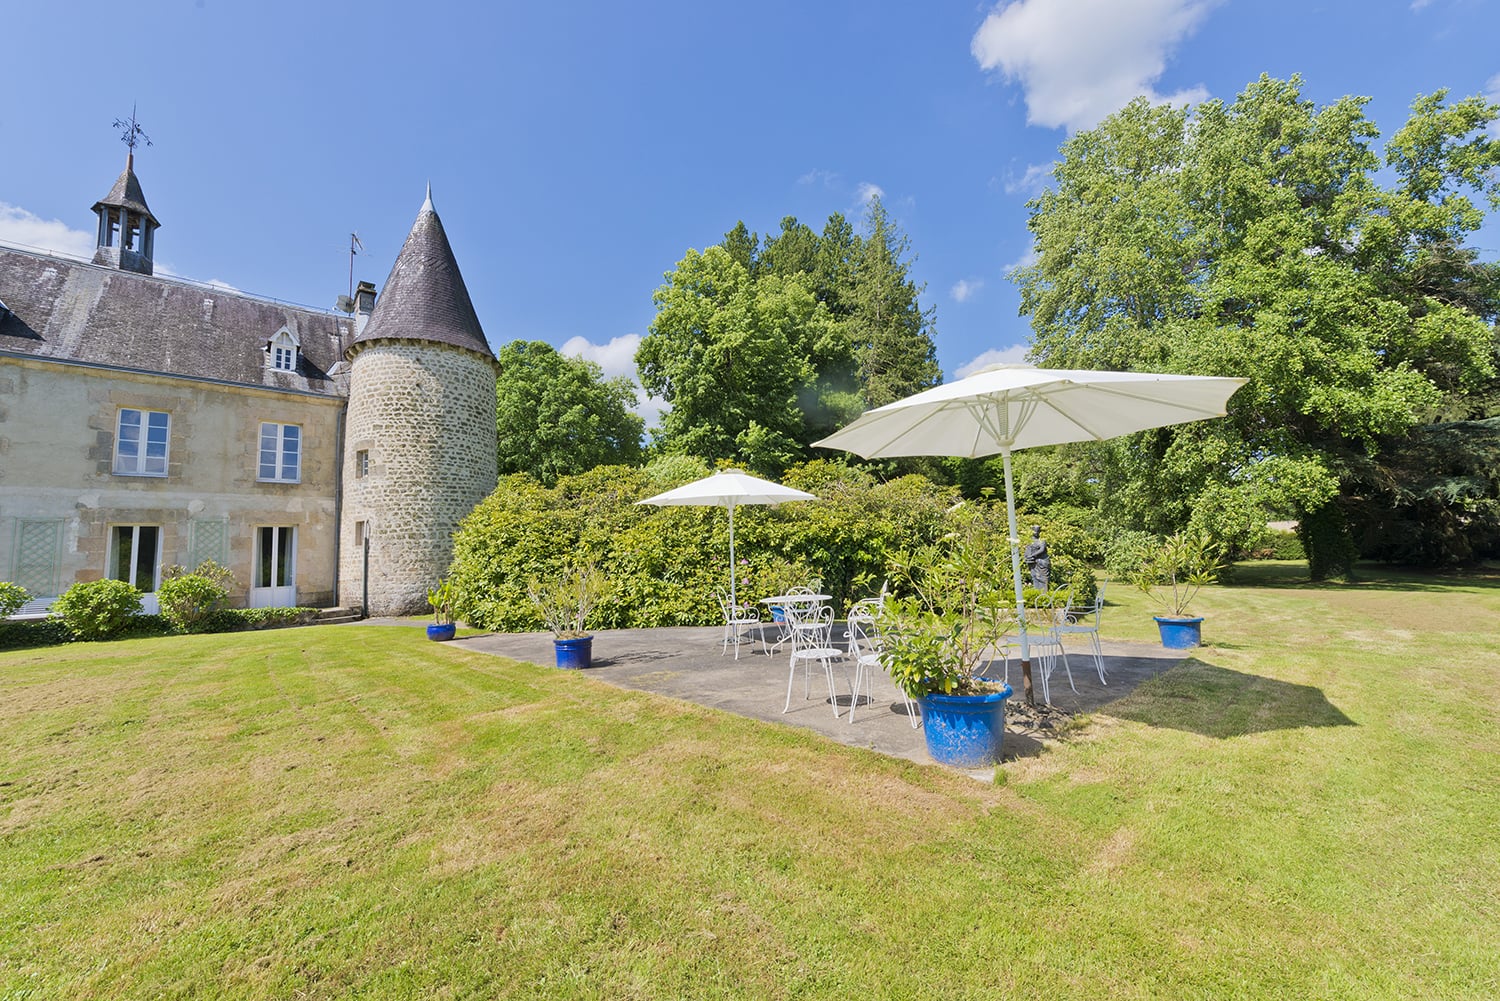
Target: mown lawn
{"x":1310,"y":807}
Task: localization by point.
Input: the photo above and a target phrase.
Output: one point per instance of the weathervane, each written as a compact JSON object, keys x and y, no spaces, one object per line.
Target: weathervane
{"x":355,"y":247}
{"x":131,"y":133}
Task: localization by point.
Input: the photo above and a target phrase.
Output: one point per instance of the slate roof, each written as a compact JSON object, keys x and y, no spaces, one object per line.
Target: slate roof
{"x":425,"y":297}
{"x":72,"y":311}
{"x":127,"y":193}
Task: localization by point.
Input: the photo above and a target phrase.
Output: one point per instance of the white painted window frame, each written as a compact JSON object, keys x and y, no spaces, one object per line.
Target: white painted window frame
{"x":142,"y":463}
{"x":285,"y":463}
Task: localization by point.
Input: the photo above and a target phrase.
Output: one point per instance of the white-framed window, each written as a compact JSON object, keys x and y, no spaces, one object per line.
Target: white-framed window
{"x":361,"y":463}
{"x":283,"y":351}
{"x":135,"y":555}
{"x":280,"y":453}
{"x":141,"y":438}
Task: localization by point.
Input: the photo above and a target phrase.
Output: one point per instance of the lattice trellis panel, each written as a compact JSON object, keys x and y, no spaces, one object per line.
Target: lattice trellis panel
{"x":38,"y":550}
{"x":210,"y":542}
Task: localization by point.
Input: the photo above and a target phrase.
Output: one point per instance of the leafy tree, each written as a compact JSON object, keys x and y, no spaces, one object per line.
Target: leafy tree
{"x":730,"y":353}
{"x":890,"y":331}
{"x":763,"y":349}
{"x":792,"y":251}
{"x":1255,"y":239}
{"x":558,"y":415}
{"x":744,"y":247}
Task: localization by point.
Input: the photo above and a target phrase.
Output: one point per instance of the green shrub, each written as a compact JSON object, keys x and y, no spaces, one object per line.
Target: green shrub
{"x":665,"y":564}
{"x":1127,"y":552}
{"x":145,"y":626}
{"x":98,"y":609}
{"x":231,"y":620}
{"x":12,"y":597}
{"x":1284,"y":546}
{"x":190,"y":599}
{"x":34,"y":633}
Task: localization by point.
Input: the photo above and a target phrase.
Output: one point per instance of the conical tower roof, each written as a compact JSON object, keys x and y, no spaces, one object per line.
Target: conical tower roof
{"x":127,"y":194}
{"x":425,"y":298}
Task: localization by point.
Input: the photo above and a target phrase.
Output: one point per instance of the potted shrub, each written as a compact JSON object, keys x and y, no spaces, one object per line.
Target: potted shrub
{"x":564,"y":601}
{"x":1172,"y":571}
{"x":440,"y":598}
{"x":937,"y":634}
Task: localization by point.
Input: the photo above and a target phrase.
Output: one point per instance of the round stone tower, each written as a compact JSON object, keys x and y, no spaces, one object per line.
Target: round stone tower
{"x":420,"y":439}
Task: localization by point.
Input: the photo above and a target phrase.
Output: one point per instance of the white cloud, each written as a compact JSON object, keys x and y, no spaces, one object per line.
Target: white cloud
{"x":1031,"y":182}
{"x":618,"y":358}
{"x":24,"y":229}
{"x":963,"y":289}
{"x":1026,"y":260}
{"x":1417,"y":5}
{"x":1080,"y":60}
{"x":1015,"y":354}
{"x":867,"y":192}
{"x":817,"y":175}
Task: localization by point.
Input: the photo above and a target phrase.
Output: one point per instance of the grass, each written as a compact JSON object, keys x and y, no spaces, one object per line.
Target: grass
{"x":1306,"y":808}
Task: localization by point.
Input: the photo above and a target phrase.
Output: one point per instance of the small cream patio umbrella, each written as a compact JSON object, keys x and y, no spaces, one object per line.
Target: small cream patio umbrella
{"x":1008,"y":407}
{"x":729,"y":488}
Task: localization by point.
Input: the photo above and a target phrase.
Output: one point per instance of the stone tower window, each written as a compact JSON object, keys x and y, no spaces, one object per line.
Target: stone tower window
{"x":361,"y":463}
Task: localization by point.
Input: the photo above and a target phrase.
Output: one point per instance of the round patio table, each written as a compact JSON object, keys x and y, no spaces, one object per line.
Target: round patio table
{"x":794,"y":600}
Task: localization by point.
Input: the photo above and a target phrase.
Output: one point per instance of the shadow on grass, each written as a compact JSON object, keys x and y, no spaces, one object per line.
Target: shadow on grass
{"x":1367,"y":577}
{"x":1215,"y":702}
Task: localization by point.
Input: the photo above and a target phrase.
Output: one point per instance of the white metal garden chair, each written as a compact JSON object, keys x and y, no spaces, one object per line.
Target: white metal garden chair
{"x":812,"y":640}
{"x":739,"y":620}
{"x":1084,"y":621}
{"x":863,"y":635}
{"x":1046,"y":646}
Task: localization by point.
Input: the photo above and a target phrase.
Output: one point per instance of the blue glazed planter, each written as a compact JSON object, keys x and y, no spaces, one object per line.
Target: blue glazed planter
{"x":1180,"y":634}
{"x":966,"y":731}
{"x":442,"y":632}
{"x":575,"y":654}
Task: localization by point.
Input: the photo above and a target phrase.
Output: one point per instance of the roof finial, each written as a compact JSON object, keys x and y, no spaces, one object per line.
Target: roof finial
{"x":131,"y":134}
{"x":427,"y":205}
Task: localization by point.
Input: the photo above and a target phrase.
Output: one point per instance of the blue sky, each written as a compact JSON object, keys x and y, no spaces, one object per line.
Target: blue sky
{"x":576,"y":151}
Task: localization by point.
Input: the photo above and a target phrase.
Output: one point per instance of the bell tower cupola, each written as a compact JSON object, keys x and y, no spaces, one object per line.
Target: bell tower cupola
{"x":127,"y":229}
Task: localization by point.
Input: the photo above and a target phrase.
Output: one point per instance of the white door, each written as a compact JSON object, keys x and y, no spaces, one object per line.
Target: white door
{"x":275,"y":581}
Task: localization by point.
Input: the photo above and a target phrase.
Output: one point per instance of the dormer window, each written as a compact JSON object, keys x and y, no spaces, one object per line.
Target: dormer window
{"x":283,"y":351}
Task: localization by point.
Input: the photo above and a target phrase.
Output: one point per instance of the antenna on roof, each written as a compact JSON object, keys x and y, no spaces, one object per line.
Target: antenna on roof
{"x":131,"y":134}
{"x":354,"y":248}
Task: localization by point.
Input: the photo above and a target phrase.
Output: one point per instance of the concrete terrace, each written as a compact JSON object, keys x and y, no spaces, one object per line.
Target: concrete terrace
{"x":685,"y":663}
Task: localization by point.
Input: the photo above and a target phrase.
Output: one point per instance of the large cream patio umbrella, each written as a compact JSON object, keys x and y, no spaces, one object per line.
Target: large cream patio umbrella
{"x":729,"y":488}
{"x":1016,"y":406}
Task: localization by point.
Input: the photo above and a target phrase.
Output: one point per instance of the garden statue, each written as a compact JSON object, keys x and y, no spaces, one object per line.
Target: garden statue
{"x":1037,"y":561}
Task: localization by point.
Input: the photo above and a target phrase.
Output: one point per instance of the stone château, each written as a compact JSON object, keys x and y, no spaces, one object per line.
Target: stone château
{"x":324,"y":457}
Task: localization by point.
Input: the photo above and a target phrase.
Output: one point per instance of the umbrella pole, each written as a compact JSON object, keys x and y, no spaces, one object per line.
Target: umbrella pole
{"x":733,"y":600}
{"x":1015,"y":567}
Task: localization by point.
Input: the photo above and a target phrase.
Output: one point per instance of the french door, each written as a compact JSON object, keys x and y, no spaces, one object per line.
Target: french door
{"x":274,"y":584}
{"x":137,"y":560}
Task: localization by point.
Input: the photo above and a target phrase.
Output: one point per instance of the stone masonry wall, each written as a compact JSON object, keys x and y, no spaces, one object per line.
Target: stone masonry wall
{"x":57,"y":444}
{"x":425,"y":414}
